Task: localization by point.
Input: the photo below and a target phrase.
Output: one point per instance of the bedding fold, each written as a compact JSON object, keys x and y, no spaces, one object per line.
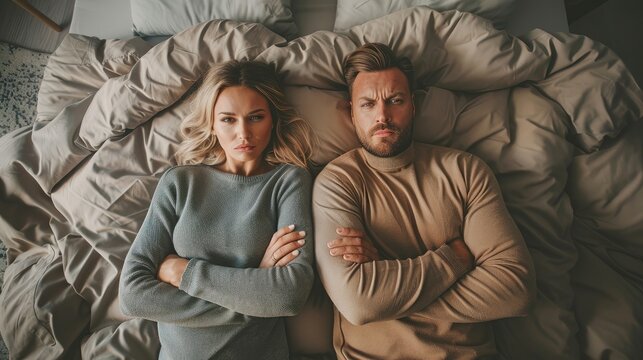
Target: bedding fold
{"x":556,"y":116}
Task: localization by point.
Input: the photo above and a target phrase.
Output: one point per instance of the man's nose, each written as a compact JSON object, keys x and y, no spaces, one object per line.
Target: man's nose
{"x":382,"y":114}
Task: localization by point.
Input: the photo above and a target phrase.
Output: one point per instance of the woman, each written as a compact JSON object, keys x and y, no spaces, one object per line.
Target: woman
{"x":241,"y":176}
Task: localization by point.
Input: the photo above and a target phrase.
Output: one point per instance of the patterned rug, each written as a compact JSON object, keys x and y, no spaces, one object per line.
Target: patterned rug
{"x":20,"y":75}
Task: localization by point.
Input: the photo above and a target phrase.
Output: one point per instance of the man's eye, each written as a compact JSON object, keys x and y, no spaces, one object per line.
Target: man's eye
{"x":367,"y":105}
{"x":396,"y":101}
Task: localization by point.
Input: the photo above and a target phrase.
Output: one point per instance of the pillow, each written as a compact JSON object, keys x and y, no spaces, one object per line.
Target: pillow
{"x":168,"y":17}
{"x":356,"y":12}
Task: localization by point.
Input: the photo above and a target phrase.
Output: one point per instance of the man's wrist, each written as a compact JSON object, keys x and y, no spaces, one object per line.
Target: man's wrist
{"x":459,"y":269}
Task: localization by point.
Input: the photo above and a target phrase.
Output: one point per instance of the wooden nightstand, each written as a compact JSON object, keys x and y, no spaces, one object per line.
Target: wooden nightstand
{"x":36,"y":13}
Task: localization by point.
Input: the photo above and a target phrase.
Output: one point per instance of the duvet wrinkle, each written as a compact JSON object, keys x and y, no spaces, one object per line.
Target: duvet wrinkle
{"x":552,"y":178}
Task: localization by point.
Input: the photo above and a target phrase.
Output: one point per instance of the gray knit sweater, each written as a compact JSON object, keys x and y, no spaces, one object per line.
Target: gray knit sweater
{"x":225,"y":307}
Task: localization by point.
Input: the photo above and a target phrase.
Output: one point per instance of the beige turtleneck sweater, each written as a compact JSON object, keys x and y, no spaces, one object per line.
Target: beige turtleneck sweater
{"x":419,"y":301}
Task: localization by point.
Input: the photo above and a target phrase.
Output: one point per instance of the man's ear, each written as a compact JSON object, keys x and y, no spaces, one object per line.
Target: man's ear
{"x":413,"y":102}
{"x":350,"y":106}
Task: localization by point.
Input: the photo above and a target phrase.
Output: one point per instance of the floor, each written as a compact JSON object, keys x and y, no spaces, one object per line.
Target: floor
{"x":617,"y":24}
{"x":20,"y":28}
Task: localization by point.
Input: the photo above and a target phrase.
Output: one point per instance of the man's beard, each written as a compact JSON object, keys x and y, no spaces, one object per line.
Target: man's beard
{"x":385,"y":149}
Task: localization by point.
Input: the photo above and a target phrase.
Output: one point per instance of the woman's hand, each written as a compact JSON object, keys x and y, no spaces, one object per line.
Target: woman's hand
{"x":172,"y":269}
{"x":284,"y":247}
{"x":352,"y":245}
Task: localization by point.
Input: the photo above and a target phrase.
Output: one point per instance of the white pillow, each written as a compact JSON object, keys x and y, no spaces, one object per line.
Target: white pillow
{"x":356,"y":12}
{"x":168,"y":17}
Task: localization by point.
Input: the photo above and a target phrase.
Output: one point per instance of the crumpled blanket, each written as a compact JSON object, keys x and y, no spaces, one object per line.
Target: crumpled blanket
{"x":556,"y":116}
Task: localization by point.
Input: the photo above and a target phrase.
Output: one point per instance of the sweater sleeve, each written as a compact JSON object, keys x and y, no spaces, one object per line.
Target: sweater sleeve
{"x":376,"y":290}
{"x":271,"y":292}
{"x":502,"y":283}
{"x":141,"y":293}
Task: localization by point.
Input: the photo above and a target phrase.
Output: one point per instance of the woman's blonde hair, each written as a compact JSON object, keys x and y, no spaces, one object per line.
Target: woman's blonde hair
{"x":290,"y":140}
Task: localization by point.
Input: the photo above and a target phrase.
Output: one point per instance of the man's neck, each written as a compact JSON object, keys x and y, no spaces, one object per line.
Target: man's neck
{"x":390,"y":163}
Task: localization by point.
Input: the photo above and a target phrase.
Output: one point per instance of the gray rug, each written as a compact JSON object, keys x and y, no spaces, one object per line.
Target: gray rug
{"x":20,"y":75}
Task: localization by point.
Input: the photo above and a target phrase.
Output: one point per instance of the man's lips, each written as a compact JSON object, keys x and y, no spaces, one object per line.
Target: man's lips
{"x":384,"y":131}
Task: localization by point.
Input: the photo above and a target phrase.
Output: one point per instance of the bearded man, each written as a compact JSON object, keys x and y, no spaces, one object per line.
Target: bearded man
{"x":414,"y":244}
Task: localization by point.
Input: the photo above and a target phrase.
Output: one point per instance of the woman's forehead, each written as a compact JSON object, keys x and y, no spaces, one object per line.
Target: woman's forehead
{"x":237,"y":99}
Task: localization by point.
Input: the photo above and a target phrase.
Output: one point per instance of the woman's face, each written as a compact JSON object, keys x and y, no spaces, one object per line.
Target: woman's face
{"x":242,"y":124}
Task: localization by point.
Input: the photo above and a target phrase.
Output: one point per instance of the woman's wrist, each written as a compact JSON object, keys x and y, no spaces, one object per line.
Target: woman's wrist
{"x":172,"y":269}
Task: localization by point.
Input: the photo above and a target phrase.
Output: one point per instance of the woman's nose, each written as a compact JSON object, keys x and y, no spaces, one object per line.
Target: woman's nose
{"x":243,"y":130}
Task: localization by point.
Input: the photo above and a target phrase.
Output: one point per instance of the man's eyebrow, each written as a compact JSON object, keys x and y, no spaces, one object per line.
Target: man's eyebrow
{"x":398,"y":93}
{"x":395,"y":94}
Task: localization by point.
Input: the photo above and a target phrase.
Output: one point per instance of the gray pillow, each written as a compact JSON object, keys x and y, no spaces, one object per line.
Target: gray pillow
{"x":168,"y":17}
{"x":356,"y":12}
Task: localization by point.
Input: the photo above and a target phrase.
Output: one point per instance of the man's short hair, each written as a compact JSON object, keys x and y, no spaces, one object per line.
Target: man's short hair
{"x":372,"y":57}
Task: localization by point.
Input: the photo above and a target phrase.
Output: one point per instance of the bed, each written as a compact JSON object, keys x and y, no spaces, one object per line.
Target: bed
{"x":557,"y":117}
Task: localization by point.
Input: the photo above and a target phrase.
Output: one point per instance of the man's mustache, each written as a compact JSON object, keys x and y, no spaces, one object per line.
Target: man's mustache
{"x":384,"y":127}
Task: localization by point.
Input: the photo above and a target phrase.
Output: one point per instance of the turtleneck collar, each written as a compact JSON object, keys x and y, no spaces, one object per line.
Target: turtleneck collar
{"x":392,"y":163}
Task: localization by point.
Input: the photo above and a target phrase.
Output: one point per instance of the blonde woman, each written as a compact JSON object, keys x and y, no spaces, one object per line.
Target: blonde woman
{"x":226,"y":249}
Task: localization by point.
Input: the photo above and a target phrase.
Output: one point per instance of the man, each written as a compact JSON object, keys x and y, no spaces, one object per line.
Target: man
{"x":414,"y":244}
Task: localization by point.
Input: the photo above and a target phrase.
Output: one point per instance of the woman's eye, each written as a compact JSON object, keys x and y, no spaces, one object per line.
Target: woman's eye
{"x":256,"y":117}
{"x":227,"y":119}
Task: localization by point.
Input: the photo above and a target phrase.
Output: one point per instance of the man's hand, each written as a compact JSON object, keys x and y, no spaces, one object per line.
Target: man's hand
{"x":283,"y":247}
{"x":172,"y":269}
{"x":352,"y":245}
{"x":462,"y":252}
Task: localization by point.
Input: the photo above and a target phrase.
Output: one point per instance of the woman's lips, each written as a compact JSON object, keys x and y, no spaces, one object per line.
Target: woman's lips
{"x":245,"y":148}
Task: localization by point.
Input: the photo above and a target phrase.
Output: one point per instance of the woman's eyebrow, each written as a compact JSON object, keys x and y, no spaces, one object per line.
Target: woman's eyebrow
{"x":252,"y":112}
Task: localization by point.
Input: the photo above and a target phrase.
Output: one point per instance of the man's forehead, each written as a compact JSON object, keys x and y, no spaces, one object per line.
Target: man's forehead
{"x":390,"y":80}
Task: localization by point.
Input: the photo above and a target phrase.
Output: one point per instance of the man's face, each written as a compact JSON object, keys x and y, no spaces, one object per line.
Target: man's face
{"x":382,"y":111}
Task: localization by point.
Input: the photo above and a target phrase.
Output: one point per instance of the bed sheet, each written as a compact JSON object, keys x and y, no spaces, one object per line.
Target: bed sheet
{"x":549,"y":113}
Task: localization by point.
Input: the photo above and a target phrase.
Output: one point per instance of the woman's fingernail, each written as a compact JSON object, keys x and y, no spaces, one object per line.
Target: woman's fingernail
{"x":339,"y":230}
{"x":302,"y":233}
{"x":295,"y":253}
{"x":301,"y":242}
{"x":333,"y":251}
{"x":291,"y":226}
